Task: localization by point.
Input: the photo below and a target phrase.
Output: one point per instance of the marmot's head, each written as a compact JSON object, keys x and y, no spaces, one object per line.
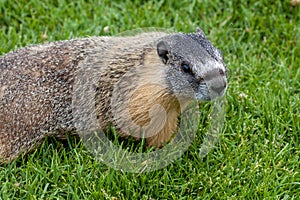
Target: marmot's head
{"x":193,"y":62}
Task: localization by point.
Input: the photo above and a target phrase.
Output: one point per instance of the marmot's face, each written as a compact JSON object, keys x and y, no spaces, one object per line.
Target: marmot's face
{"x":195,"y":68}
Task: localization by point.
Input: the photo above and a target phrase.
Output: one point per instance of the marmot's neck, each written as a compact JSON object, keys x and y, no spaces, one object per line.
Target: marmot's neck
{"x":152,"y":108}
{"x":156,"y":111}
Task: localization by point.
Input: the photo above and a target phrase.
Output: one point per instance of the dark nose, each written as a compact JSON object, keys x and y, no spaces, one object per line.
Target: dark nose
{"x":219,"y":89}
{"x":216,"y":79}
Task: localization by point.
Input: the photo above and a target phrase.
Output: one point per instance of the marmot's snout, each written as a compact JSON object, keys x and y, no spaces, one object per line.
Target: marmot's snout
{"x":213,"y":85}
{"x":216,"y":82}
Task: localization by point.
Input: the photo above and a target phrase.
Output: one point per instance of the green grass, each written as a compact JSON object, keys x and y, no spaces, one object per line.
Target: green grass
{"x":257,"y":156}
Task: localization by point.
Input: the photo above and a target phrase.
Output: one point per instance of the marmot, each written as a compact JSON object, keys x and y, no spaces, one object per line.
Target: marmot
{"x":39,"y":84}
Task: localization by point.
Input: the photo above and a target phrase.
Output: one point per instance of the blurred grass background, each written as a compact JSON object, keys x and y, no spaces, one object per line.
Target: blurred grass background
{"x":257,"y":156}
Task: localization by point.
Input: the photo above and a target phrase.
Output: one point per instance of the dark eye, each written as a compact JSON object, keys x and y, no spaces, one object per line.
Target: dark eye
{"x":186,"y":68}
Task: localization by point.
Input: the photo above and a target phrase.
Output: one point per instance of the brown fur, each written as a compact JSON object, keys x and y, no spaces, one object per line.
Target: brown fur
{"x":162,"y":126}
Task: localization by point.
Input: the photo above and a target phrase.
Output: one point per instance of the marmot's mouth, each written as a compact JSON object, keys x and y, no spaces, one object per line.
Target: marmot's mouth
{"x":209,"y":94}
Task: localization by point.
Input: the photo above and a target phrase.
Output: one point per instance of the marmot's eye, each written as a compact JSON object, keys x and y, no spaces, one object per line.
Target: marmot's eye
{"x":186,"y":68}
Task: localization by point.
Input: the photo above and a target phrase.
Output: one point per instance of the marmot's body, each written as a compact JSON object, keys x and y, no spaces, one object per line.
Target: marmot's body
{"x":40,"y":85}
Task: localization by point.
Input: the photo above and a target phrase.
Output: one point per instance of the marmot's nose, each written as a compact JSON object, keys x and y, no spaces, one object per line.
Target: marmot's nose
{"x":217,"y":82}
{"x":219,"y":89}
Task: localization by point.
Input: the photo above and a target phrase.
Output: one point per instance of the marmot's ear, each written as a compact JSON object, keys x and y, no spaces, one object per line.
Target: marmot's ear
{"x":163,"y":51}
{"x":200,"y":32}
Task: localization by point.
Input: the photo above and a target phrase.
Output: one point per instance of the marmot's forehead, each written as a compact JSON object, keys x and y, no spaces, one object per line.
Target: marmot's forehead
{"x":194,"y":47}
{"x":206,"y":44}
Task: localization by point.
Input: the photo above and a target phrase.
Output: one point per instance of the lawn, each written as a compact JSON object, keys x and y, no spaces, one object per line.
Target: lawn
{"x":257,"y":155}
